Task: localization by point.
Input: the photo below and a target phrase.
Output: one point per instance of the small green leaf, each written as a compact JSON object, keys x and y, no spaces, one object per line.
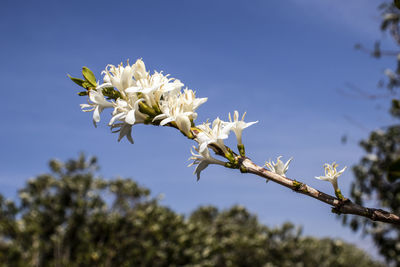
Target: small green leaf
{"x":87,"y":85}
{"x":77,"y":80}
{"x":83,"y":93}
{"x":394,"y":171}
{"x":89,"y":76}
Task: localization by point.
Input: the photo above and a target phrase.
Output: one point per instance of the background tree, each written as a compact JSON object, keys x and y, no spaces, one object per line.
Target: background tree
{"x":377,"y":175}
{"x":73,"y":217}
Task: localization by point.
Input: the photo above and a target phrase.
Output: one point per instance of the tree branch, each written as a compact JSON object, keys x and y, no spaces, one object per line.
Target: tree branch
{"x":338,"y":206}
{"x":345,"y":206}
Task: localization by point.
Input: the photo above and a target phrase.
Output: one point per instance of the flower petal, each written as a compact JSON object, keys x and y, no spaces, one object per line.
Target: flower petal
{"x":165,"y":121}
{"x":183,"y":124}
{"x":200,"y":168}
{"x":130,"y":117}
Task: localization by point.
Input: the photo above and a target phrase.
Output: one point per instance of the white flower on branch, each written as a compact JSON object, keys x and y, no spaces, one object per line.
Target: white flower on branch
{"x":96,"y":103}
{"x":119,"y":77}
{"x":153,"y":87}
{"x":215,"y":135}
{"x":202,"y":160}
{"x":180,"y":109}
{"x":237,"y":126}
{"x":134,"y":80}
{"x":128,"y":111}
{"x":279,"y":167}
{"x":331,"y":174}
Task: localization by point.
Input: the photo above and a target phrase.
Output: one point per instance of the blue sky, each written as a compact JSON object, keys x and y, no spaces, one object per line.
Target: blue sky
{"x":284,"y":62}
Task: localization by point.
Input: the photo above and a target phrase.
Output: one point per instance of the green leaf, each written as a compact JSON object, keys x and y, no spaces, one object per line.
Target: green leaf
{"x":394,"y":171}
{"x":89,"y":76}
{"x":87,"y":85}
{"x":77,"y":80}
{"x":83,"y":93}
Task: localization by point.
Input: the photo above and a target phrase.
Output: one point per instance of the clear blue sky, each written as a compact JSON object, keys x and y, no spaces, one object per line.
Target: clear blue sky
{"x":281,"y":61}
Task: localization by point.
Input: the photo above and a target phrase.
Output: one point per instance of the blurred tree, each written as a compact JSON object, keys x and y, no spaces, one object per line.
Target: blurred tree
{"x":378,"y":173}
{"x":72,"y":217}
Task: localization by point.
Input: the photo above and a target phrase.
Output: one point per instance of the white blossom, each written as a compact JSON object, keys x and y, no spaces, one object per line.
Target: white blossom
{"x":237,"y":126}
{"x":279,"y":167}
{"x":215,"y":135}
{"x":127,"y":111}
{"x":202,"y":160}
{"x":119,"y":76}
{"x":180,"y":109}
{"x":96,"y":103}
{"x":153,"y":87}
{"x":331,"y":174}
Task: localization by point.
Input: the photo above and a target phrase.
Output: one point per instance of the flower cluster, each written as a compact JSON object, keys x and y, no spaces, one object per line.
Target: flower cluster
{"x":138,"y":97}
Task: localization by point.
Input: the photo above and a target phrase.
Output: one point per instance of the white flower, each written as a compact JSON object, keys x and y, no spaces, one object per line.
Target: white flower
{"x":127,"y":111}
{"x":173,"y":111}
{"x":180,"y":109}
{"x":140,"y":70}
{"x":215,"y":135}
{"x":237,"y":126}
{"x":331,"y":174}
{"x":135,"y":79}
{"x":189,"y":100}
{"x":152,"y":87}
{"x":119,"y":77}
{"x":203,"y":159}
{"x":96,"y":103}
{"x":278,"y":167}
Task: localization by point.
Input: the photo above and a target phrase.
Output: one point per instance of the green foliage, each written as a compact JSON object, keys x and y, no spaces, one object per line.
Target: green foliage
{"x":377,"y":174}
{"x":394,"y":170}
{"x":77,"y":81}
{"x":71,"y":217}
{"x":88,"y":83}
{"x":377,"y":178}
